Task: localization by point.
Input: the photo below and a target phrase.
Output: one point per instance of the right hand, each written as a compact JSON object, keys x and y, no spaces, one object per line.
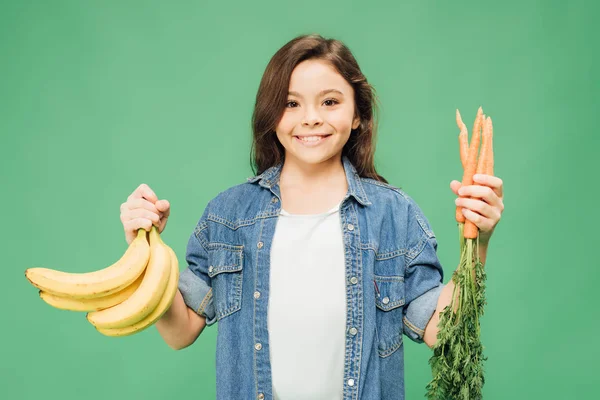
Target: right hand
{"x":142,"y":210}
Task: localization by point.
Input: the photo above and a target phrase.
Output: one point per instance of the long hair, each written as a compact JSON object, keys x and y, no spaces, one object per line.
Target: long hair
{"x":272,"y":94}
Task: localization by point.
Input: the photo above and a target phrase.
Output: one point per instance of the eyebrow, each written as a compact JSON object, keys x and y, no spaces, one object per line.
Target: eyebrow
{"x":321,"y":93}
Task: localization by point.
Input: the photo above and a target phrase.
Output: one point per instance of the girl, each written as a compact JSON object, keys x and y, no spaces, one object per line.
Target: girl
{"x":315,"y":268}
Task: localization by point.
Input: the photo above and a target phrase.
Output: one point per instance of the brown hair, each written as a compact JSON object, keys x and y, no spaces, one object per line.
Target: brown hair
{"x":272,"y":94}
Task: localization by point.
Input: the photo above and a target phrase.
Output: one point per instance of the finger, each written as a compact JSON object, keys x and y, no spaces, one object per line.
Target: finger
{"x":141,"y":213}
{"x":480,"y":192}
{"x":454,"y":186}
{"x":478,"y":206}
{"x":492,"y":181}
{"x":135,"y":224}
{"x":164,"y":207}
{"x":483,"y":224}
{"x":140,"y":203}
{"x":144,"y":191}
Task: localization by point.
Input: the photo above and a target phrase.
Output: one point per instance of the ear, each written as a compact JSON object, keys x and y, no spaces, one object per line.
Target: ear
{"x":356,"y":123}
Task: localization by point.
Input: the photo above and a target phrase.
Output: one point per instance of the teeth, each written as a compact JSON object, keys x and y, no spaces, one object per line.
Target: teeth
{"x":311,"y":138}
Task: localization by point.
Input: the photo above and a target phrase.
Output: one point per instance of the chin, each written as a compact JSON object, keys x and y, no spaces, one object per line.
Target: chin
{"x":314,"y":158}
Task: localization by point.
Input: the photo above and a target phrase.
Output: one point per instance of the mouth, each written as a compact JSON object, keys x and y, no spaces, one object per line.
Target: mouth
{"x":311,"y":140}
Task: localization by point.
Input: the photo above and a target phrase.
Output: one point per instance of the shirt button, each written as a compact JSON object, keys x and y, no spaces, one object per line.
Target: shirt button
{"x":256,"y":295}
{"x":353,"y":280}
{"x":260,"y":396}
{"x":386,"y":300}
{"x":274,"y":200}
{"x":353,"y":331}
{"x":350,"y":227}
{"x":259,"y":245}
{"x":258,"y":346}
{"x":350,"y":382}
{"x":210,"y":269}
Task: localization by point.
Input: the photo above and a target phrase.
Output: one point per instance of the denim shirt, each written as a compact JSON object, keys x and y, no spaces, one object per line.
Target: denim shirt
{"x":393,"y":281}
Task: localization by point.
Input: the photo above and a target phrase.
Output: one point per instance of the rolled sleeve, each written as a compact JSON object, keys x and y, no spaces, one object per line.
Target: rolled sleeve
{"x":423,"y":280}
{"x":194,"y":282}
{"x":419,"y":312}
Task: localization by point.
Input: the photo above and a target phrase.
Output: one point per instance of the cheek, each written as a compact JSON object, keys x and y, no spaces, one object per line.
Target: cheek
{"x":287,"y":123}
{"x":342,"y":121}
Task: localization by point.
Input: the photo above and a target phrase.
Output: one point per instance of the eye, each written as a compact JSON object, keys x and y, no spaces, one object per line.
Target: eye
{"x":334,"y":101}
{"x":289,"y":103}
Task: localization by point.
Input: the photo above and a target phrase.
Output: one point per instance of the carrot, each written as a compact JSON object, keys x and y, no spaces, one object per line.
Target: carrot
{"x":484,"y":154}
{"x":489,"y":169}
{"x":463,"y":139}
{"x":463,"y":145}
{"x":460,"y":217}
{"x":470,"y":229}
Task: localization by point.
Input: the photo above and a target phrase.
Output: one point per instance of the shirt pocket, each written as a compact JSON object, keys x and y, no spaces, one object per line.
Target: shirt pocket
{"x":226,"y":272}
{"x":389,"y":302}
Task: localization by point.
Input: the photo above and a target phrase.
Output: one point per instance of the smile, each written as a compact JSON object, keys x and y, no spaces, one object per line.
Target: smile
{"x":311,"y":140}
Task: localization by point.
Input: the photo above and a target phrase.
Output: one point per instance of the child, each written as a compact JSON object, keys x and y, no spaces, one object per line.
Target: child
{"x":316,"y":267}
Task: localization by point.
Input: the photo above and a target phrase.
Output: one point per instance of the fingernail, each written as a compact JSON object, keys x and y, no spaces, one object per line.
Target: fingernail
{"x":460,"y":191}
{"x":476,"y":177}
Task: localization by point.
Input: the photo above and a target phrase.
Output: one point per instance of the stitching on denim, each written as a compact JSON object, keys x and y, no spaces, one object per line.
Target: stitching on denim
{"x":230,"y":310}
{"x":230,"y":224}
{"x":198,"y":232}
{"x":204,"y":302}
{"x":389,"y":306}
{"x":395,"y":346}
{"x":412,"y":327}
{"x":415,"y":251}
{"x":368,"y":246}
{"x":387,"y":278}
{"x":362,"y":195}
{"x":387,"y":186}
{"x":389,"y":254}
{"x":348,"y":340}
{"x":423,"y":225}
{"x":361,"y":310}
{"x":225,"y":246}
{"x":254,"y":303}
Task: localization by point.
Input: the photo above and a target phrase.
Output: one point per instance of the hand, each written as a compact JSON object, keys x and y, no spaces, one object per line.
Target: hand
{"x":485,"y":206}
{"x":142,"y":210}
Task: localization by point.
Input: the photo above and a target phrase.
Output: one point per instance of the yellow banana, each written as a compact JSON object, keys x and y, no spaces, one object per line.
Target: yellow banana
{"x":146,"y":297}
{"x":161,"y":308}
{"x":98,"y":283}
{"x":99,"y":303}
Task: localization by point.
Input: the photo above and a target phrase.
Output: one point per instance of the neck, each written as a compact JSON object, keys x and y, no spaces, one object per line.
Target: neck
{"x":298,"y":174}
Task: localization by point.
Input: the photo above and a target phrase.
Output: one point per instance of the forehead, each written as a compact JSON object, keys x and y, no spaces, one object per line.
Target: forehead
{"x":312,"y":76}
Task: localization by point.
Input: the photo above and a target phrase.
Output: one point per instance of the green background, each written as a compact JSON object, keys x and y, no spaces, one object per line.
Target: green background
{"x":98,"y":97}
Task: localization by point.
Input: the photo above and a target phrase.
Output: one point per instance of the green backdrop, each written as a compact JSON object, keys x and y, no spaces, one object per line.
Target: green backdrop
{"x":98,"y":97}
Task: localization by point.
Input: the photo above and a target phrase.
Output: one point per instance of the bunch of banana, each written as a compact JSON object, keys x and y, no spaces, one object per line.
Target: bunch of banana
{"x":123,"y":298}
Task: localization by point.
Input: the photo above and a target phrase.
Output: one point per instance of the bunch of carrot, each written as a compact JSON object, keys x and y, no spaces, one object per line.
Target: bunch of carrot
{"x":457,"y":360}
{"x":472,"y":164}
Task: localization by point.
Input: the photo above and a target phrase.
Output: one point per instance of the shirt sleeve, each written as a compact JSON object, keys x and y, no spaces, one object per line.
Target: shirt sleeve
{"x":423,"y":278}
{"x":194,"y":282}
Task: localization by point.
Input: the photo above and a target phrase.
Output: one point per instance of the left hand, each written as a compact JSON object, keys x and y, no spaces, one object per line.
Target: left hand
{"x":485,"y":206}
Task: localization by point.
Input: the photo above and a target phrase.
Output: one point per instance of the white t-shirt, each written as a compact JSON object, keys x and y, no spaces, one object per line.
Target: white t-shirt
{"x":307,"y":307}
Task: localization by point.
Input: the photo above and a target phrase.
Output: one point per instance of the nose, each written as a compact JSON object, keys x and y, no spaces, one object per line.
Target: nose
{"x":311,"y":117}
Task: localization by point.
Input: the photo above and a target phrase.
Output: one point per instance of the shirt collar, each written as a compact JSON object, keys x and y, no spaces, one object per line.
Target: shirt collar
{"x":355,"y":188}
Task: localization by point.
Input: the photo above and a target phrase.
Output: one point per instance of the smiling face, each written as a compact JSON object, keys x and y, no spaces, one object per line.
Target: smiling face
{"x":319,"y":114}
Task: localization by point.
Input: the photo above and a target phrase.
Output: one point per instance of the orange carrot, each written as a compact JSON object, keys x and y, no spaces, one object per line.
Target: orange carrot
{"x":484,"y":154}
{"x":460,"y":217}
{"x":463,"y":139}
{"x":489,"y":169}
{"x":463,"y":145}
{"x":470,"y":229}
